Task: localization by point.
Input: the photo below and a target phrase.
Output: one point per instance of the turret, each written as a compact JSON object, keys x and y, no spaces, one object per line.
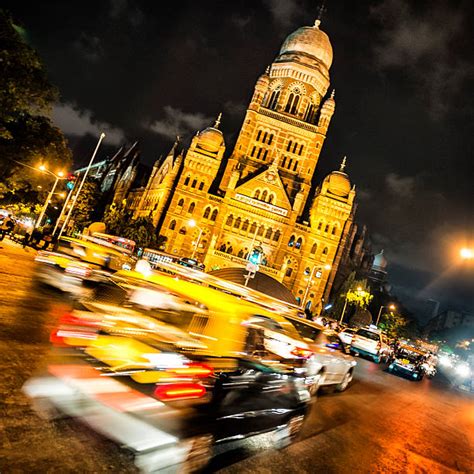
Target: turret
{"x":260,"y":90}
{"x":327,"y":111}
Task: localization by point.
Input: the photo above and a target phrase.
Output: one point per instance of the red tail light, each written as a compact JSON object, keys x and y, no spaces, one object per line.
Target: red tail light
{"x":57,"y":340}
{"x":179,"y":391}
{"x":193,"y":370}
{"x":70,"y":319}
{"x":300,"y":352}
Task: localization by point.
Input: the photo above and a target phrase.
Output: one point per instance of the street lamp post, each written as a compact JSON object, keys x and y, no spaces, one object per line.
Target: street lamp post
{"x":50,"y":195}
{"x":391,"y":306}
{"x":58,"y":220}
{"x":359,"y":290}
{"x":74,"y":199}
{"x":192,"y":223}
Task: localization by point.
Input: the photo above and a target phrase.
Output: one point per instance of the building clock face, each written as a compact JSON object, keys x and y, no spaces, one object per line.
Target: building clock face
{"x":270,"y":176}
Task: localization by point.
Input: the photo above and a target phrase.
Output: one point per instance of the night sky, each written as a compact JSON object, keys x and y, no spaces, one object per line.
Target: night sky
{"x":403,"y":73}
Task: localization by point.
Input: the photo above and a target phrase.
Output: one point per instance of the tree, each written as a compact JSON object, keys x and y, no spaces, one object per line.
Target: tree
{"x":26,"y":132}
{"x":85,"y":205}
{"x":393,"y":324}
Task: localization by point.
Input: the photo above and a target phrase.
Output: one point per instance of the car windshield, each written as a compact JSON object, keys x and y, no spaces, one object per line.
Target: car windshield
{"x":410,"y":355}
{"x":305,"y":330}
{"x":368,"y":334}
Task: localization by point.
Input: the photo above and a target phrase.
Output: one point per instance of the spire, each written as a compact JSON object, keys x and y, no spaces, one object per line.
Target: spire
{"x":321,"y":10}
{"x":218,"y":121}
{"x":276,"y":160}
{"x":333,"y":93}
{"x":343,"y":164}
{"x":267,"y":70}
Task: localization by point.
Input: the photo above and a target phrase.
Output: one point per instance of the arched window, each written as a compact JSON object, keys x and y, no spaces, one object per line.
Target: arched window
{"x":259,"y":153}
{"x":182,"y":230}
{"x":299,"y":243}
{"x":307,"y":271}
{"x":193,"y":185}
{"x":314,"y":248}
{"x":230,"y":249}
{"x":294,"y":147}
{"x":334,"y":230}
{"x":290,"y":163}
{"x":300,"y":150}
{"x":201,"y":185}
{"x":264,"y":137}
{"x":265,"y":155}
{"x":289,"y":271}
{"x":264,"y":195}
{"x":276,"y":236}
{"x":309,"y":116}
{"x":181,"y":202}
{"x":241,"y":253}
{"x":320,"y":225}
{"x":257,"y":194}
{"x":273,"y":102}
{"x":245,"y":225}
{"x":289,"y":145}
{"x":207,"y":211}
{"x":173,"y":225}
{"x":222,"y":248}
{"x":270,"y":139}
{"x":258,"y":135}
{"x":253,"y":228}
{"x":253,"y":151}
{"x":295,"y":166}
{"x":214,"y":215}
{"x":261,"y":230}
{"x":191,"y":207}
{"x":237,"y":223}
{"x":268,"y":233}
{"x":308,"y":305}
{"x":326,"y":228}
{"x":271,"y":198}
{"x":291,"y":242}
{"x":292,"y":103}
{"x":284,"y":162}
{"x":186,"y":181}
{"x":229,"y":220}
{"x":325,"y":251}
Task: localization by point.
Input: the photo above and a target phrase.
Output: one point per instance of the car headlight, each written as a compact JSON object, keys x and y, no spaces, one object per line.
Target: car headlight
{"x":463,"y":370}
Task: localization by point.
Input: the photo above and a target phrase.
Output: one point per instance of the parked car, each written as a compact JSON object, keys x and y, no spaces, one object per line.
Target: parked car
{"x":346,"y":335}
{"x":330,"y":363}
{"x":185,"y":367}
{"x":372,"y":343}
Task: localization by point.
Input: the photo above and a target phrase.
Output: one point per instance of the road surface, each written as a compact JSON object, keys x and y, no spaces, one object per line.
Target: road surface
{"x":382,"y":423}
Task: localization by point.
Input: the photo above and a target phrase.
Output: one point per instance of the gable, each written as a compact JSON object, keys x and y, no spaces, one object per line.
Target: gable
{"x":265,"y":191}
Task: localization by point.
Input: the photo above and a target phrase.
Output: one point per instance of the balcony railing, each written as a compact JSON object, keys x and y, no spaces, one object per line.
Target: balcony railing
{"x":243,"y":262}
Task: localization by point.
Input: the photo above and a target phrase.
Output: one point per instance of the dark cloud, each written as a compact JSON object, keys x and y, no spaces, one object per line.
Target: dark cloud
{"x":403,"y":188}
{"x":176,"y":122}
{"x":285,"y":12}
{"x":421,"y":44}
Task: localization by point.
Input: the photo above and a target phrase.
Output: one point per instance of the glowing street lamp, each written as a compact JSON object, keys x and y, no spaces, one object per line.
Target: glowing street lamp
{"x":466,"y":253}
{"x":192,"y":223}
{"x":57,"y":177}
{"x":391,"y":307}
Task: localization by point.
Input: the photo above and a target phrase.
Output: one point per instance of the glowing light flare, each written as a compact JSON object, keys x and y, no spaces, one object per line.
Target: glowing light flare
{"x":179,"y":391}
{"x":466,"y":253}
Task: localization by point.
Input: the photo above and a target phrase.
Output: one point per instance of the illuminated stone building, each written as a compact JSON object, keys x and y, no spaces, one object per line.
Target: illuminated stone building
{"x":264,"y":195}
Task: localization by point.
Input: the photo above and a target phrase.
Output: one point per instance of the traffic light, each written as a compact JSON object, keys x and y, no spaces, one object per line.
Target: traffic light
{"x":256,"y":256}
{"x":71,"y":181}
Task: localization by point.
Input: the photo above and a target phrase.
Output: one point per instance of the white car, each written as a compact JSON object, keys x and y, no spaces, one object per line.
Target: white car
{"x":372,"y":343}
{"x":346,"y":335}
{"x":330,"y":363}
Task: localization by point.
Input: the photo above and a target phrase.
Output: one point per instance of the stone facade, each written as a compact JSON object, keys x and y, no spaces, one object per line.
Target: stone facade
{"x":263,"y":195}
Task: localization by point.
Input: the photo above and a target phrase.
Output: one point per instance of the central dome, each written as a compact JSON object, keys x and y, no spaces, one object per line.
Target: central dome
{"x":338,"y":183}
{"x":211,"y":139}
{"x":309,"y":40}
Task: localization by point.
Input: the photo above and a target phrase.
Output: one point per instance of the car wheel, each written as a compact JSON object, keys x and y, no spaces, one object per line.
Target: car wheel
{"x":376,"y":359}
{"x":345,"y":381}
{"x":286,"y":435}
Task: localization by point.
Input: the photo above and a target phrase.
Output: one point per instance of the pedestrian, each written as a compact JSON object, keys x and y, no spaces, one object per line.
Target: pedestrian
{"x":6,"y":227}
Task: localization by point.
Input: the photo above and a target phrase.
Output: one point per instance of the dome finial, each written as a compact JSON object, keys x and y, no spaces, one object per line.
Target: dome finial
{"x":333,"y":93}
{"x":343,"y":164}
{"x":218,"y":121}
{"x":267,"y":71}
{"x":321,"y":9}
{"x":317,"y":23}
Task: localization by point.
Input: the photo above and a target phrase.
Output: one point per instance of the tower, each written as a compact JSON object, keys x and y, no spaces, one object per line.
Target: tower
{"x":288,"y":112}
